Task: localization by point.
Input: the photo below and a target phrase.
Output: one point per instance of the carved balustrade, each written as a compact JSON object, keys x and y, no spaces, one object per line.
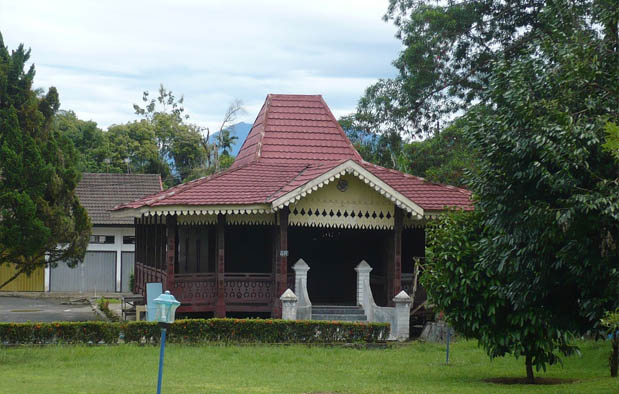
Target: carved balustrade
{"x":248,"y":288}
{"x":195,"y":289}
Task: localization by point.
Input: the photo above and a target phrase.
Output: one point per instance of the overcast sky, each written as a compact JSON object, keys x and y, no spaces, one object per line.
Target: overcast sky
{"x":101,"y":55}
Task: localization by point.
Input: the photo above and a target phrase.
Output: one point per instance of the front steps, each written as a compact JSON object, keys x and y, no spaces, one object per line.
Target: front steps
{"x":338,"y":313}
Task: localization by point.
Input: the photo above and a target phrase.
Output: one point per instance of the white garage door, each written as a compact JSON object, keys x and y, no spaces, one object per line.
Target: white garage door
{"x":96,"y":273}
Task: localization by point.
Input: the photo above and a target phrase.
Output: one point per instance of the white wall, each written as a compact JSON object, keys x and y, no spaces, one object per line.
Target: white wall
{"x":117,"y":246}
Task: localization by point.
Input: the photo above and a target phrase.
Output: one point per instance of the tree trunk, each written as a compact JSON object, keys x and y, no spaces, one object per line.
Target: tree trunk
{"x":614,"y":356}
{"x":529,"y":364}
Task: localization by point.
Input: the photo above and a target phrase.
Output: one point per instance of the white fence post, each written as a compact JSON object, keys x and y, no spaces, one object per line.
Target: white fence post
{"x":402,"y":302}
{"x":304,"y":306}
{"x":289,"y":305}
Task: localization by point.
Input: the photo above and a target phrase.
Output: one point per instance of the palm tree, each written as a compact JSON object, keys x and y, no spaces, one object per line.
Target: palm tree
{"x":226,"y":140}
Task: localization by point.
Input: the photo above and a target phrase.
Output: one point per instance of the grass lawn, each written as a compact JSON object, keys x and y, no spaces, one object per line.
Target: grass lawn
{"x":413,"y":368}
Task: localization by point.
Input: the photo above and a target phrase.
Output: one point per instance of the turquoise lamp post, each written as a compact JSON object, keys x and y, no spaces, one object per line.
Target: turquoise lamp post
{"x":166,"y":306}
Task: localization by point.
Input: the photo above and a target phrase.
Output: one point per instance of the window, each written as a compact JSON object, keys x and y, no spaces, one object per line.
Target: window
{"x":102,"y":239}
{"x":129,"y":240}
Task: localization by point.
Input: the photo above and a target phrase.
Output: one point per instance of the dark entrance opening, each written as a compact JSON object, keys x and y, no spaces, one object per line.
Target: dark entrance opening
{"x":332,"y":255}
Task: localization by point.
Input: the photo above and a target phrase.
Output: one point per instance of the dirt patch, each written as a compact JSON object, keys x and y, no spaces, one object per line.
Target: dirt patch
{"x":523,"y":380}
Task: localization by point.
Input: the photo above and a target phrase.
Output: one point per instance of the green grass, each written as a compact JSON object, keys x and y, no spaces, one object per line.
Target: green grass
{"x":413,"y":368}
{"x":111,"y":300}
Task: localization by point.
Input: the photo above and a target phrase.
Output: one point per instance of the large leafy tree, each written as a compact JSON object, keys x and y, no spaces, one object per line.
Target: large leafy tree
{"x":546,"y":234}
{"x":41,"y":220}
{"x":449,"y":49}
{"x":89,"y":140}
{"x":443,"y":157}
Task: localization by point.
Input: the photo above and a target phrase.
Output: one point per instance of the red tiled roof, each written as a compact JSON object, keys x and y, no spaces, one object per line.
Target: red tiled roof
{"x":429,"y":196}
{"x":296,"y":129}
{"x":294,"y":140}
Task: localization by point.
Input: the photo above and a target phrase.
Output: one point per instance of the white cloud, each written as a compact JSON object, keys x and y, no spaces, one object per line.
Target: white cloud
{"x":102,"y":54}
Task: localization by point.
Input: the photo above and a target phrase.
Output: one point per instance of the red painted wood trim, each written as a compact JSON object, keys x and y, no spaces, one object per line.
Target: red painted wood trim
{"x":282,"y":264}
{"x":220,"y":306}
{"x":396,"y":269}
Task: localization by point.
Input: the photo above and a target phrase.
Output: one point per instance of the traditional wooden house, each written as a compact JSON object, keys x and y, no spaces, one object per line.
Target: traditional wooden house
{"x":298,"y":189}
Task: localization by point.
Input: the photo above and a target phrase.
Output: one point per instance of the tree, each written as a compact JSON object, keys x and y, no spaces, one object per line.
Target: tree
{"x":547,"y":198}
{"x":41,"y":220}
{"x":442,"y":158}
{"x":473,"y":297}
{"x":179,"y":143}
{"x":449,"y":51}
{"x":89,"y":141}
{"x":611,"y":322}
{"x":226,"y":140}
{"x":234,"y":110}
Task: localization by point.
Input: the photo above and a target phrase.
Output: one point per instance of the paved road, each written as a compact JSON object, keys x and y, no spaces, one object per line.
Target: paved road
{"x":23,"y":309}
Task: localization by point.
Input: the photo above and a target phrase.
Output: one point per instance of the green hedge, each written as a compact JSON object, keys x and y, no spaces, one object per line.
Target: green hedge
{"x":194,"y":331}
{"x":60,"y":332}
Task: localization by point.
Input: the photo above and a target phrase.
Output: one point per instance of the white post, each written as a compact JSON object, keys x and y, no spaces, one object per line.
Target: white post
{"x":300,"y":276}
{"x":402,"y":302}
{"x":363,"y":276}
{"x":289,"y":305}
{"x":304,"y":306}
{"x":47,"y":274}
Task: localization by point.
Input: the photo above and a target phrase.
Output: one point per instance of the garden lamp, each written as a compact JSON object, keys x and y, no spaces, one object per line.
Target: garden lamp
{"x":166,"y":306}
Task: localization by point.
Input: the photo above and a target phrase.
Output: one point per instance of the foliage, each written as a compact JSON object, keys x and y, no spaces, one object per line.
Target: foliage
{"x":611,"y":322}
{"x":547,"y":196}
{"x":88,"y":140}
{"x":196,"y":330}
{"x":475,"y":298}
{"x":612,"y":139}
{"x":59,"y":332}
{"x":450,"y":49}
{"x":38,"y":208}
{"x":442,"y":158}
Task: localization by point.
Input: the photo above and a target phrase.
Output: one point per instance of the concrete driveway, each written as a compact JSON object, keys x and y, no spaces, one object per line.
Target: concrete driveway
{"x":24,"y":309}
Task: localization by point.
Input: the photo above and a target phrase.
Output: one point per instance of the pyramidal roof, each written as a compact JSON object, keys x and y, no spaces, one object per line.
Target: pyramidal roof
{"x":295,"y":146}
{"x":296,"y":129}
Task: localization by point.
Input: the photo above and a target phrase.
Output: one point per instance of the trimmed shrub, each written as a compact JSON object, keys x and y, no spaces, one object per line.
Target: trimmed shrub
{"x":59,"y":332}
{"x":195,"y":331}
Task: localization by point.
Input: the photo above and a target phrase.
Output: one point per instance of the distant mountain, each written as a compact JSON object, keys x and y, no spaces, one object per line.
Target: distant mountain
{"x":239,"y":130}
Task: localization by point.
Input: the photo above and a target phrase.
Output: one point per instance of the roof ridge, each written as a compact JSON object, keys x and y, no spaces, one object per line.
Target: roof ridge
{"x":339,"y":128}
{"x":287,"y":183}
{"x":267,"y":106}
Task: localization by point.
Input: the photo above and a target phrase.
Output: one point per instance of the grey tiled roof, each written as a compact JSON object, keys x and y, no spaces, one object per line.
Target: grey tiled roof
{"x":99,"y":193}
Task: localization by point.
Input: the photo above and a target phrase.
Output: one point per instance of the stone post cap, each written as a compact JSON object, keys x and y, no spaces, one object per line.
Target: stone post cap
{"x":288,"y":296}
{"x":301,"y":266}
{"x":363,"y":266}
{"x":402,"y":297}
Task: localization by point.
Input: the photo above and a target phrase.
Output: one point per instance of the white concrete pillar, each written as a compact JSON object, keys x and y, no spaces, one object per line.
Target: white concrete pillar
{"x":289,"y":305}
{"x":300,"y":281}
{"x":47,"y":274}
{"x":363,"y":276}
{"x":402,"y":302}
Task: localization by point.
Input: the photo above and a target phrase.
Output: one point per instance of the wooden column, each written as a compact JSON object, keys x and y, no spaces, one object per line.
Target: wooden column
{"x":170,"y":252}
{"x":394,"y":269}
{"x":220,"y":306}
{"x":281,"y":274}
{"x":274,"y":264}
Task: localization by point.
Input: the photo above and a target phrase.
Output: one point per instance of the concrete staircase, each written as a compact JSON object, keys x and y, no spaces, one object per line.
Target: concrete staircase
{"x":338,"y":313}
